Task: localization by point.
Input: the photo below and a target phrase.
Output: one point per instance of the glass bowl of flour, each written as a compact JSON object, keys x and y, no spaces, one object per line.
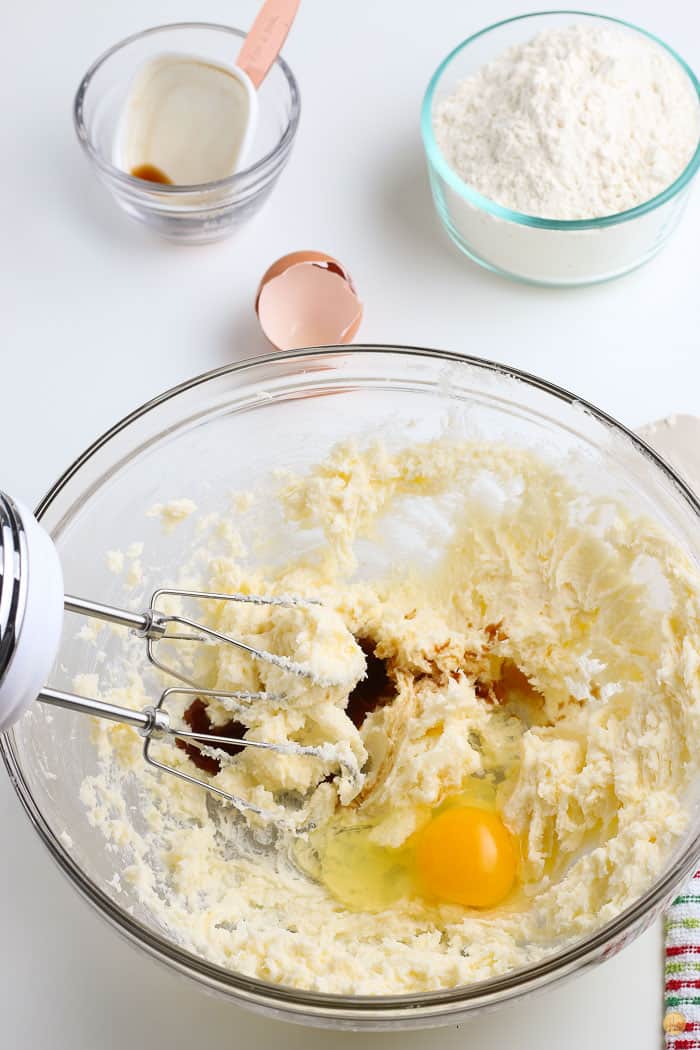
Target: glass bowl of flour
{"x":561,"y":146}
{"x":410,"y":436}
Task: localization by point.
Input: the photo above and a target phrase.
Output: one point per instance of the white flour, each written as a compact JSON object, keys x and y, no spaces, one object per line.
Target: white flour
{"x":577,"y":123}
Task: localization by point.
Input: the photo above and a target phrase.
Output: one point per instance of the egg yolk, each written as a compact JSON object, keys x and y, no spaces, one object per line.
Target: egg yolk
{"x":465,"y":856}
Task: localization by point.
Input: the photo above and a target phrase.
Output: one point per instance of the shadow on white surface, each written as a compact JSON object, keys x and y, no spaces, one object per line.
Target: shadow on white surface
{"x":407,"y":213}
{"x":241,"y":336}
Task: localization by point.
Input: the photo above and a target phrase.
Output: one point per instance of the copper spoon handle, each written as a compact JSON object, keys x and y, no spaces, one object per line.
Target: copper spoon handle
{"x":266,"y":37}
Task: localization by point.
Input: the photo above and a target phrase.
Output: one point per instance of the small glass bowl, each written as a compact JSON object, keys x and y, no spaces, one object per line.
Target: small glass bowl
{"x":187,"y":214}
{"x":526,"y":247}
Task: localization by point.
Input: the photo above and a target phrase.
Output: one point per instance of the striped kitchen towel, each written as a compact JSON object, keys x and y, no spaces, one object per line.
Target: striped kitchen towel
{"x":682,"y":974}
{"x":678,"y":439}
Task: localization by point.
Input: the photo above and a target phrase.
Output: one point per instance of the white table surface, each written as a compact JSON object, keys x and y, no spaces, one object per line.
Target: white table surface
{"x":98,"y":316}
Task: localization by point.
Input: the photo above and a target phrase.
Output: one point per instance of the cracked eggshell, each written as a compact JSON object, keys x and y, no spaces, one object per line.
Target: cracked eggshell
{"x":307,"y":298}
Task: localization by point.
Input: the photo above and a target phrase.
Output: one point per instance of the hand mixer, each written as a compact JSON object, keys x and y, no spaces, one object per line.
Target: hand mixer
{"x":32,"y":602}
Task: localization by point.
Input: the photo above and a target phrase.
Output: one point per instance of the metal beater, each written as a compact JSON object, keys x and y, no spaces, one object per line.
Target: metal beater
{"x":31,"y":612}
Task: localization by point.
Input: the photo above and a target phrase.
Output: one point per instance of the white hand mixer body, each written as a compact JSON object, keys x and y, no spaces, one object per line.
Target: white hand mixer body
{"x":32,"y":603}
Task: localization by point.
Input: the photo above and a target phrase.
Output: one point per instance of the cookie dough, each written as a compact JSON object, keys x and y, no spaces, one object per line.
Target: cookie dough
{"x":540,"y":643}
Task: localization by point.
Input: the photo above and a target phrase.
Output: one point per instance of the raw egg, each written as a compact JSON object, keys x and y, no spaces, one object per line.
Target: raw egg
{"x":465,"y":856}
{"x":462,"y":854}
{"x":307,"y":298}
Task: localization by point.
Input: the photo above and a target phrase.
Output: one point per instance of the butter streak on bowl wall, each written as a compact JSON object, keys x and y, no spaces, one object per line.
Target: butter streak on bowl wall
{"x":527,"y":247}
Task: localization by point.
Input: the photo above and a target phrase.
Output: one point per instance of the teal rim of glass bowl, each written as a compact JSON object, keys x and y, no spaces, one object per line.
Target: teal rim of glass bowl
{"x":438,"y":162}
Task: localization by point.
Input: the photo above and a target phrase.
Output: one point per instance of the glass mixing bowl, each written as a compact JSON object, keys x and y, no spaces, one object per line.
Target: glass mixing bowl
{"x":186,"y":214}
{"x":222,"y":431}
{"x":526,"y":247}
